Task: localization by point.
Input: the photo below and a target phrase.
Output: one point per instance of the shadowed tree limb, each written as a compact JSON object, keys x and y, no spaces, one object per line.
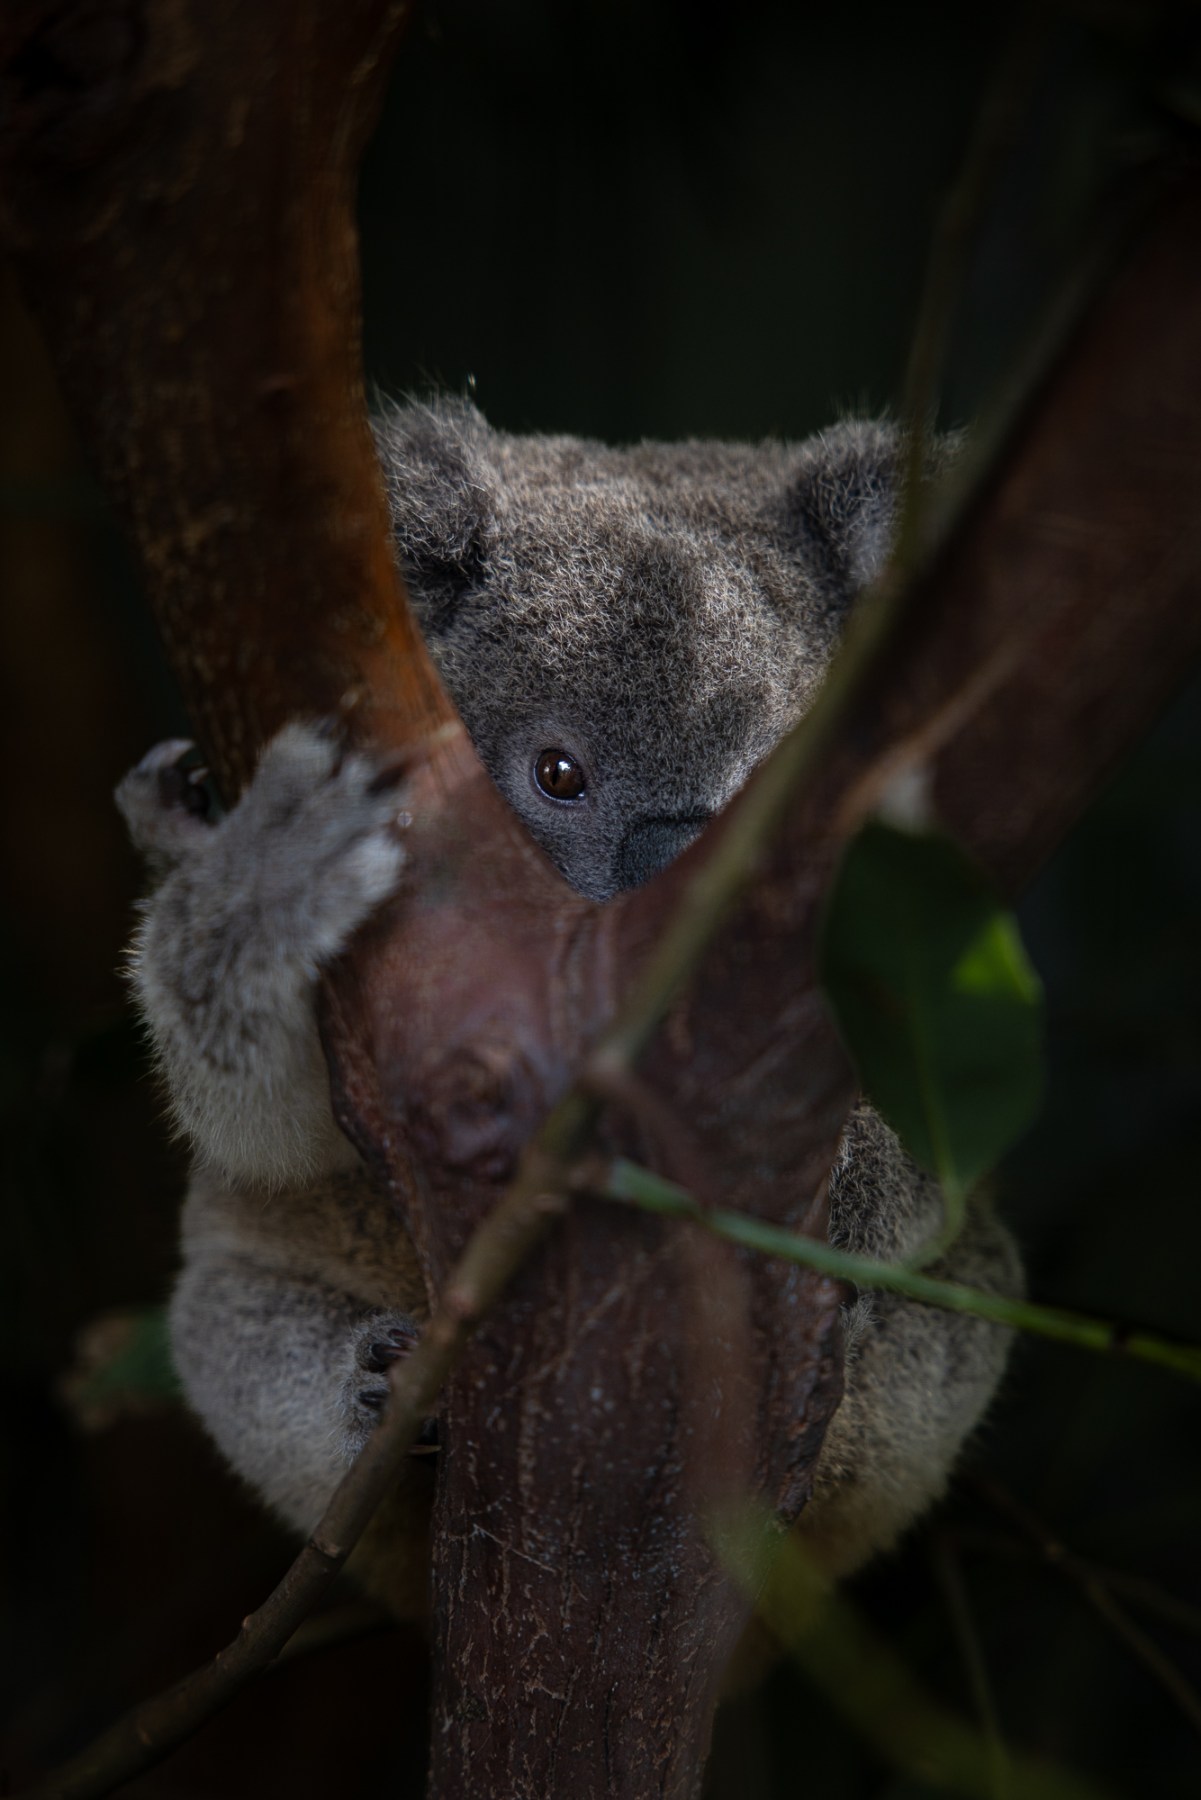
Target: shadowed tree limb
{"x":179,"y":195}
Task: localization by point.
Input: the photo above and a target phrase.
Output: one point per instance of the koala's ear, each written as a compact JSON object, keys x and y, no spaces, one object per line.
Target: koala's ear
{"x":843,"y":493}
{"x":441,"y":490}
{"x":844,"y":488}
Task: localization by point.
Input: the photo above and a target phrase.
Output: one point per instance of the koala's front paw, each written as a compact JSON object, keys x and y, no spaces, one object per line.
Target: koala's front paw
{"x":165,"y":803}
{"x":384,"y":1340}
{"x":313,"y":842}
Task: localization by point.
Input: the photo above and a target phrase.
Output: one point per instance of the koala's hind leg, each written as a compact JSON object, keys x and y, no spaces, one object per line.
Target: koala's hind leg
{"x":286,"y":1316}
{"x":225,"y":958}
{"x":918,"y":1379}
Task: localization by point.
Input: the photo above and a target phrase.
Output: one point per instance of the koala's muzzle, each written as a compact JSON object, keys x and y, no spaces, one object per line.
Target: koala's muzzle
{"x":651,"y":844}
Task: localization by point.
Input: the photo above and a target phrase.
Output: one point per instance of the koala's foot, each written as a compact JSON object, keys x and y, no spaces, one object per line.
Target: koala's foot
{"x":312,"y":847}
{"x":165,"y":803}
{"x":378,"y":1345}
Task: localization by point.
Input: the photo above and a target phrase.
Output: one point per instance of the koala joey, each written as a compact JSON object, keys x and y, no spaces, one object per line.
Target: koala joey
{"x":626,"y":634}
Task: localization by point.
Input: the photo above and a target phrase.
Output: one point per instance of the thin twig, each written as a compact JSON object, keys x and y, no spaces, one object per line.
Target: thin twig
{"x":1140,"y":1593}
{"x":1095,"y":1587}
{"x":1149,"y":1597}
{"x":622,"y":1180}
{"x":950,"y":1580}
{"x":1144,"y":1649}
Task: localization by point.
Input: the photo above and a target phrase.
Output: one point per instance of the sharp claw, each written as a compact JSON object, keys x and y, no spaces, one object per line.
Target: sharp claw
{"x":178,"y":788}
{"x":397,"y":1341}
{"x":165,"y":755}
{"x":426,"y":1441}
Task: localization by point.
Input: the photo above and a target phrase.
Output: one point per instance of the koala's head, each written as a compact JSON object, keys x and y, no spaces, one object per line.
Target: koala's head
{"x":626,"y":633}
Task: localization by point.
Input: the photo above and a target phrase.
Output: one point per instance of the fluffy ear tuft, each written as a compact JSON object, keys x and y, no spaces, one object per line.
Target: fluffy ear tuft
{"x":442,"y":497}
{"x":844,"y":492}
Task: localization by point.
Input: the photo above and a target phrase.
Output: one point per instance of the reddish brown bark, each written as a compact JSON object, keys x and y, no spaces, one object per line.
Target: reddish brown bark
{"x":177,"y":193}
{"x":1079,"y":638}
{"x":179,"y":197}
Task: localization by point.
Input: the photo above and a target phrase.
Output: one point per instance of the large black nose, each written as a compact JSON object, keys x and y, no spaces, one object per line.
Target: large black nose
{"x":651,"y":844}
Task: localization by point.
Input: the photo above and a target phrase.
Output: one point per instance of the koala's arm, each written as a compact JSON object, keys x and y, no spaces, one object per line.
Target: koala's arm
{"x":225,"y":959}
{"x":918,"y":1380}
{"x":299,"y":1286}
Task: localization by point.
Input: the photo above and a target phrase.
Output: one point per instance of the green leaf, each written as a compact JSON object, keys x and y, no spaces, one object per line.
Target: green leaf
{"x":123,"y":1365}
{"x":934,"y":999}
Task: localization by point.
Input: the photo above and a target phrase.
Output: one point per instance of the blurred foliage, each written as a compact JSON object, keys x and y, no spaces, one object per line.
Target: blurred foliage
{"x":124,"y":1365}
{"x":864,"y":1680}
{"x":629,"y":219}
{"x":935,"y":1001}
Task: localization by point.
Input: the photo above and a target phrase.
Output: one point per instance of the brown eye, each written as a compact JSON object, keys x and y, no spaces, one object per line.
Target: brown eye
{"x":558,"y":775}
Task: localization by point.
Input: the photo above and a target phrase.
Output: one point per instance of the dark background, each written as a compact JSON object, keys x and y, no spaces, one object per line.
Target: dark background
{"x":623,"y":220}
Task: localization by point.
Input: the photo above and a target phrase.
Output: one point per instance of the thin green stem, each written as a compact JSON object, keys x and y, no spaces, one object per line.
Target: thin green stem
{"x":639,"y":1187}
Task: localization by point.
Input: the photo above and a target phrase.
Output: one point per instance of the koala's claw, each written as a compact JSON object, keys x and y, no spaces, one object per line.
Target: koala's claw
{"x":398,"y":1341}
{"x":318,"y":826}
{"x":164,"y":801}
{"x":427,"y":1439}
{"x":382,"y":1344}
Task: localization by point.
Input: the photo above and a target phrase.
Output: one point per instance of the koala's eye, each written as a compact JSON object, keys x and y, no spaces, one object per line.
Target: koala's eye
{"x":558,"y":775}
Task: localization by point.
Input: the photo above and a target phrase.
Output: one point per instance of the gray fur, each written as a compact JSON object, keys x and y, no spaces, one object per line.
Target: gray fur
{"x":280,"y":1298}
{"x":917,"y":1380}
{"x":662,"y":614}
{"x":224,"y":960}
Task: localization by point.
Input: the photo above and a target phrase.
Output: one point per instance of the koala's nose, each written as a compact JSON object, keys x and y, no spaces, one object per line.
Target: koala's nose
{"x":651,"y":844}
